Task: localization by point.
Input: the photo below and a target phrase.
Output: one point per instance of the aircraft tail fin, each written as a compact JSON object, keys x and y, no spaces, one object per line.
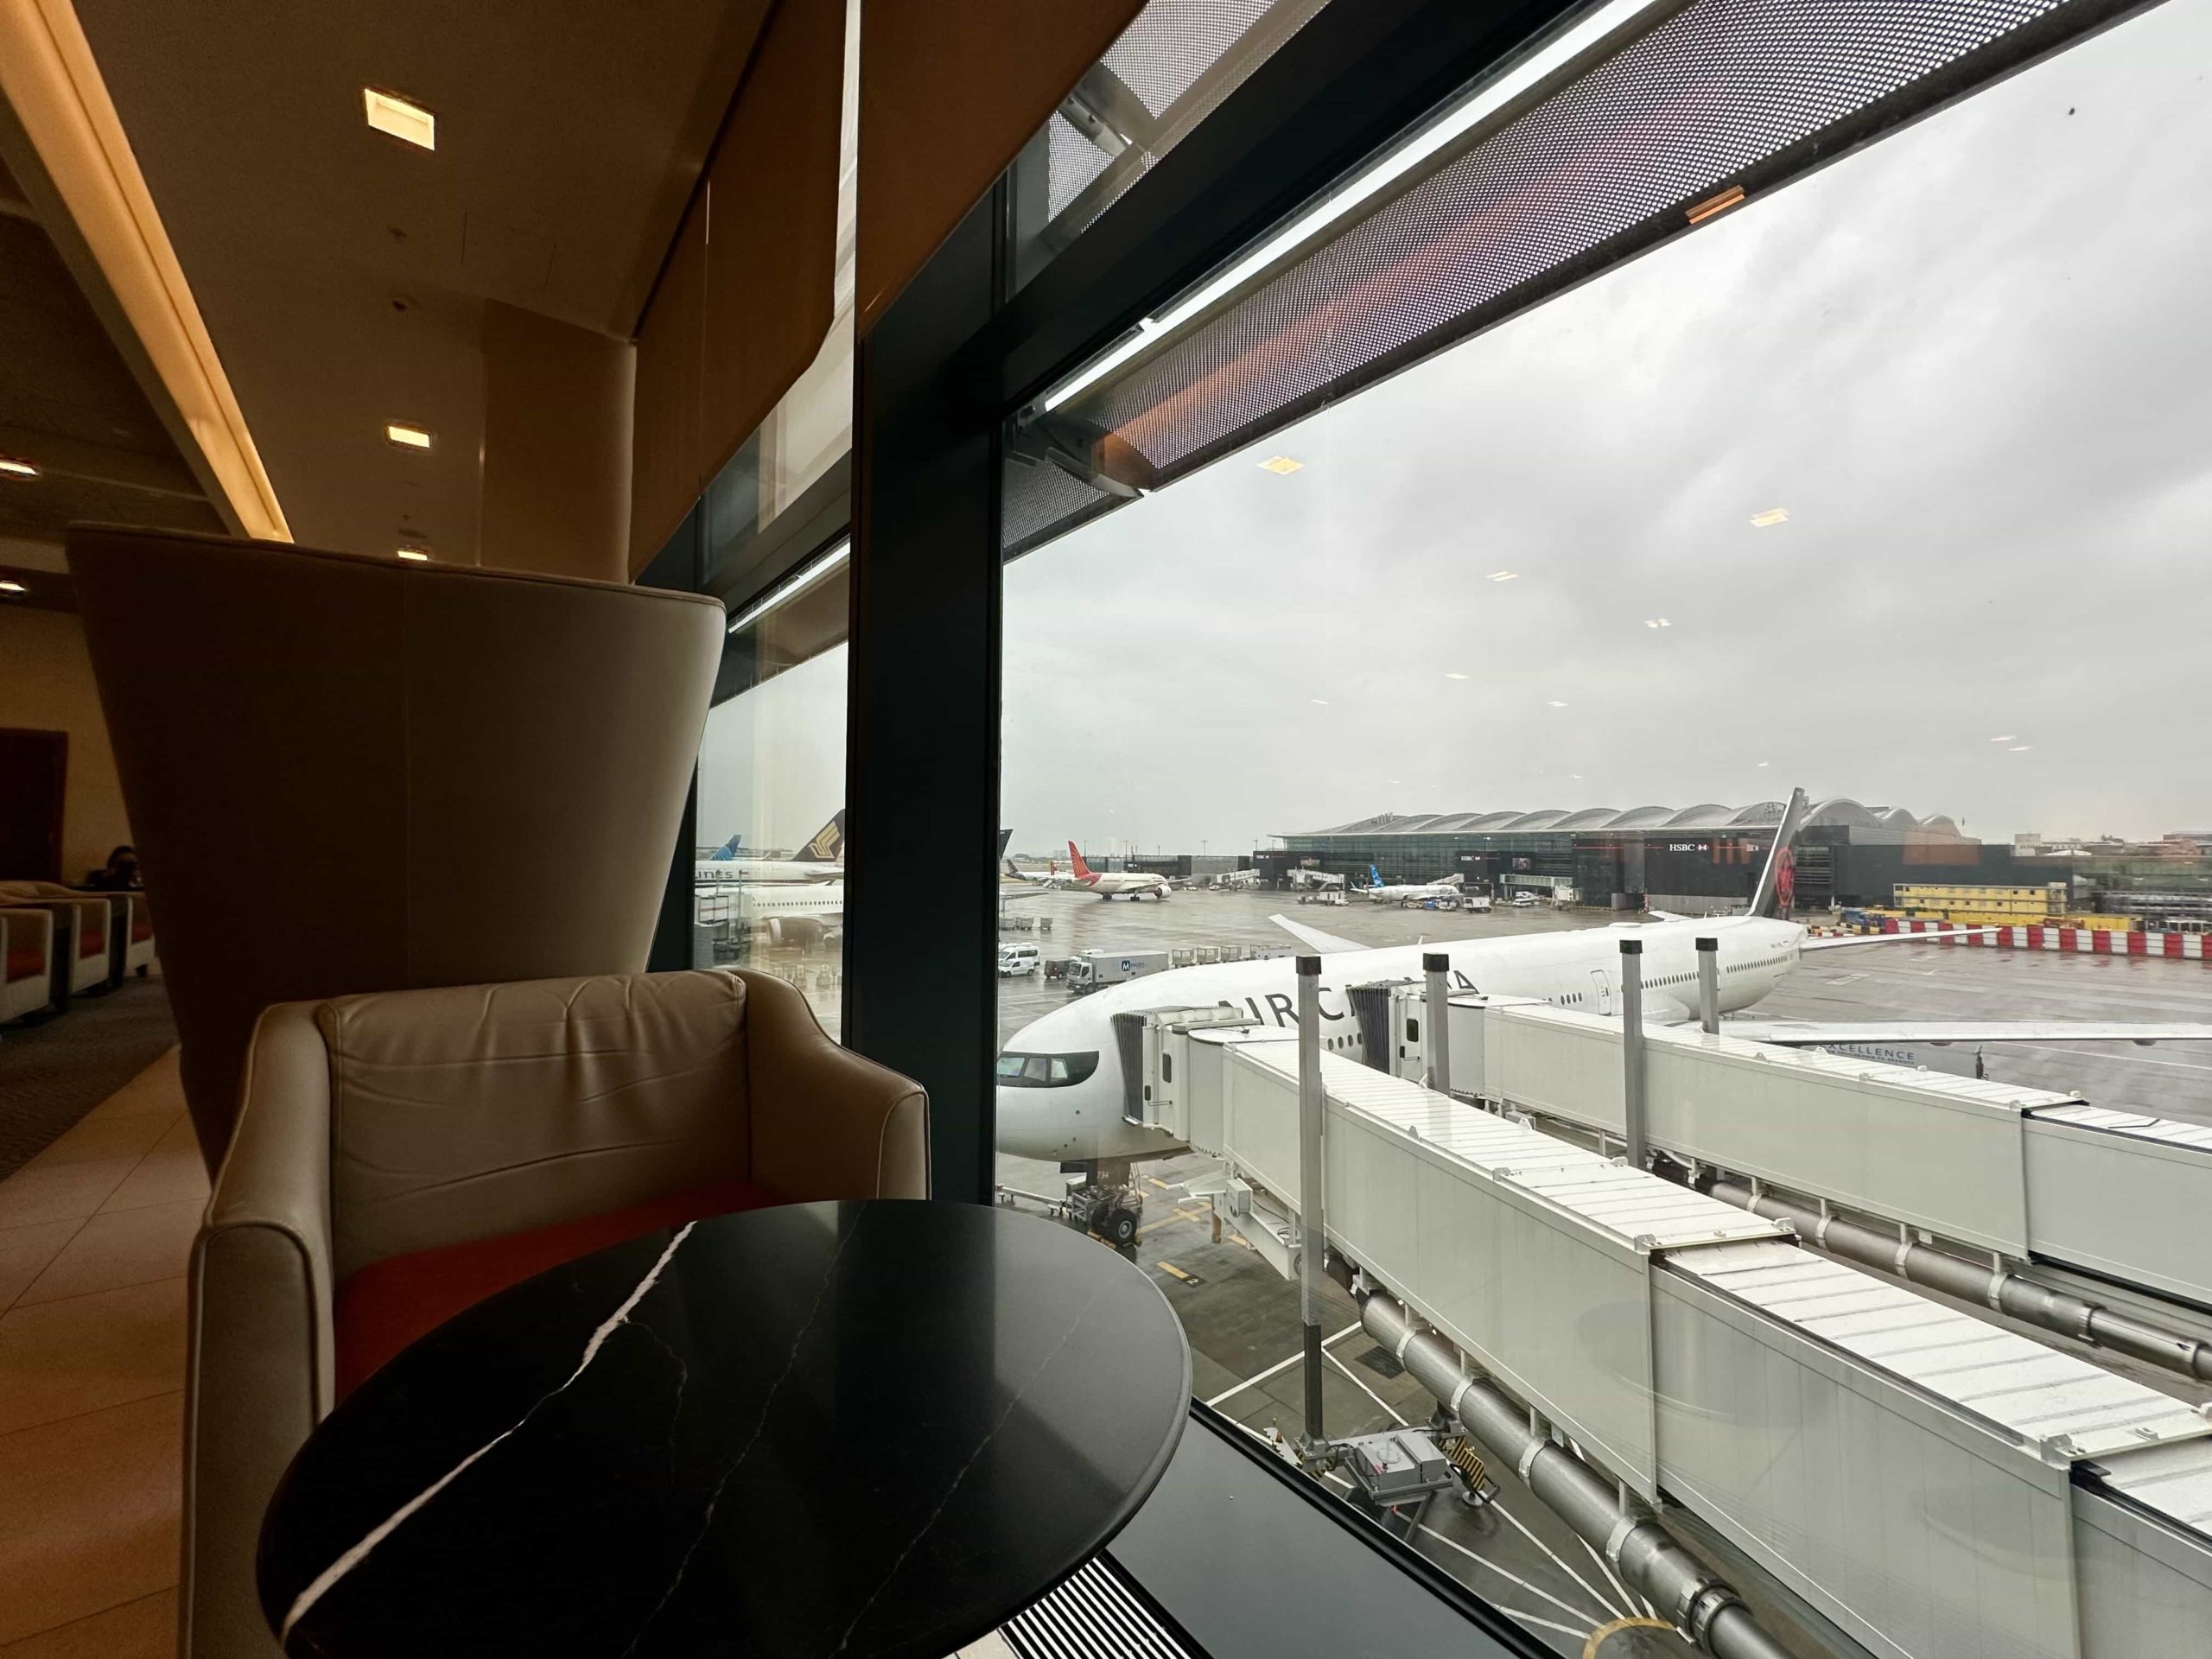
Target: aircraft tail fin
{"x":1082,"y":869}
{"x":1773,"y":895}
{"x":728,"y":849}
{"x":827,"y":846}
{"x":1005,"y":840}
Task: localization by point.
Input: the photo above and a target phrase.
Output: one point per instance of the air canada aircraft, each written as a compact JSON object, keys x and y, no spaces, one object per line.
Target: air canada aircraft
{"x":1060,"y":1089}
{"x":823,"y":859}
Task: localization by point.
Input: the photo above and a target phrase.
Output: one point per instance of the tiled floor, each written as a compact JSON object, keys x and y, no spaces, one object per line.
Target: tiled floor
{"x":94,"y":1233}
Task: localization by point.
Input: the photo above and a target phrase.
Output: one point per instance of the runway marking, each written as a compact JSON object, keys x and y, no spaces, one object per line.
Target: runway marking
{"x":1281,"y":1365}
{"x":1597,"y":1636}
{"x":1184,"y":1273}
{"x":1481,"y":1561}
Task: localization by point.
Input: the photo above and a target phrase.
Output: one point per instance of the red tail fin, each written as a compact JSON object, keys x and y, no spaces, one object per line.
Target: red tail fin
{"x":1082,"y":869}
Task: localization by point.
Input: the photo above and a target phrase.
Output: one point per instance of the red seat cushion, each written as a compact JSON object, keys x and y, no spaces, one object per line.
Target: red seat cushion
{"x":390,"y":1303}
{"x":25,"y":962}
{"x":93,"y":942}
{"x":141,"y":930}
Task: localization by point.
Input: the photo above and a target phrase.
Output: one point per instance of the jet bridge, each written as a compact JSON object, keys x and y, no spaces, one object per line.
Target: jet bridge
{"x":1934,"y":1483}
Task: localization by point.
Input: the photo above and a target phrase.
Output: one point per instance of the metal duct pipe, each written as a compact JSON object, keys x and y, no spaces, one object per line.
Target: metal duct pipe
{"x":1436,"y":1040}
{"x":1632,"y":1051}
{"x":1641,"y":1550}
{"x":1313,"y":1106}
{"x":1708,"y":985}
{"x":1976,"y":1281}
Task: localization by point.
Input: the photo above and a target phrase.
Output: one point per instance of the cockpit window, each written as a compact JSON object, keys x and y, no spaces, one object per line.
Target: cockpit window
{"x":1045,"y":1071}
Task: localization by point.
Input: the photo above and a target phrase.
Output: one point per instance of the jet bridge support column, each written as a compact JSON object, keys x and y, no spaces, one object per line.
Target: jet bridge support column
{"x":1708,"y":984}
{"x":1644,"y":1553}
{"x":1632,"y":1050}
{"x":1436,"y":1037}
{"x":1312,"y":1107}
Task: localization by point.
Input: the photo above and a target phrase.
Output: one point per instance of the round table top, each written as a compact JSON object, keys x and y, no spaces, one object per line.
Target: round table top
{"x":862,"y":1429}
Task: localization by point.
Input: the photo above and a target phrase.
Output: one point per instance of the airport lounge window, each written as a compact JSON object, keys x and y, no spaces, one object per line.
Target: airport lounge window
{"x":1738,"y":474}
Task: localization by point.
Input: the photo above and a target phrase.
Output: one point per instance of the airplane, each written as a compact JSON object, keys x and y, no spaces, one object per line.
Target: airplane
{"x":1060,"y":1089}
{"x":788,"y":912}
{"x":821,"y":860}
{"x":1117,"y":884}
{"x":1403,"y":892}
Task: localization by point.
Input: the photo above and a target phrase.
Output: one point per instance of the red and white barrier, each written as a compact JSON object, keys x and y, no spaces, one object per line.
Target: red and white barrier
{"x":2088,"y":941}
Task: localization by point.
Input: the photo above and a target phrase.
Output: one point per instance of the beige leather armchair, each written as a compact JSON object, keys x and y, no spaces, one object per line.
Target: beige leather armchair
{"x":384,"y":1138}
{"x":82,"y":919}
{"x":423,"y":774}
{"x":27,"y":938}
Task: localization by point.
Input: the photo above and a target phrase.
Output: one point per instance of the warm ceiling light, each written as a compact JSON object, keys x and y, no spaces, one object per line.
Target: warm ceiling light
{"x":416,"y":555}
{"x":1712,"y":205}
{"x":1502,"y":576}
{"x":1454,"y":676}
{"x":410,"y":123}
{"x":1281,"y":466}
{"x":18,"y":468}
{"x":407,"y":438}
{"x":1771,"y":516}
{"x":7,"y":587}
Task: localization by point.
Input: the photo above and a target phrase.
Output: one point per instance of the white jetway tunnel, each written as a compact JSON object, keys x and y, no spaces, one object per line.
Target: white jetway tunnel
{"x":1933,"y":1483}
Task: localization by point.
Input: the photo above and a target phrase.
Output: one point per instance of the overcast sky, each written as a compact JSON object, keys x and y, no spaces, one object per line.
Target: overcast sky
{"x":1974,"y":363}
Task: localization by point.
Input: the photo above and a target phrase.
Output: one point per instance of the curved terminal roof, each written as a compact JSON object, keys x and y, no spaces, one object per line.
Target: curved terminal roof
{"x":1836,"y":812}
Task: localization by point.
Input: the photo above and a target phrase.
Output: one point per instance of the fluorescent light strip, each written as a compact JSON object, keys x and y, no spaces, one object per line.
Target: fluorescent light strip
{"x":795,"y":585}
{"x":1605,"y":32}
{"x":397,"y":117}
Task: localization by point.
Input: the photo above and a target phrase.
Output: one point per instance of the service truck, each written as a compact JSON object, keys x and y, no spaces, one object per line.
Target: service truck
{"x":1093,"y":968}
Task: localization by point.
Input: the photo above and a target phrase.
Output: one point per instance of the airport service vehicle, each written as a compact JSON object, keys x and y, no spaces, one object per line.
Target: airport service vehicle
{"x":1094,"y":969}
{"x":1073,"y":1112}
{"x":823,"y":859}
{"x":1016,"y":960}
{"x":1523,"y":901}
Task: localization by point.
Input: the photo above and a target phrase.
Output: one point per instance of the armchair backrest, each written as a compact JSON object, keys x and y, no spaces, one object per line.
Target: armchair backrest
{"x":488,"y":1109}
{"x":350,"y":774}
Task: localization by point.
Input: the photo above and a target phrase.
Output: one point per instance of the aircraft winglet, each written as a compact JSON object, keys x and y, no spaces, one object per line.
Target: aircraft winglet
{"x":1314,"y":938}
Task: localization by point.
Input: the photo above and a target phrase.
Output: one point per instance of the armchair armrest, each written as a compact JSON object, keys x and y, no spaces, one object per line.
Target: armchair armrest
{"x":259,"y":1371}
{"x":826,"y":1122}
{"x":20,"y":923}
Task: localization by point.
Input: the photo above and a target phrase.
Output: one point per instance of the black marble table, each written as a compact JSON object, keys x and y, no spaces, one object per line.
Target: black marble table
{"x":848,"y":1429}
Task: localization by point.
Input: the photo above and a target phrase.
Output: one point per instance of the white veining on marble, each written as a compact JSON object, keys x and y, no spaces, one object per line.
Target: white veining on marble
{"x":982,"y":1445}
{"x":331,"y":1575}
{"x":760,"y":1424}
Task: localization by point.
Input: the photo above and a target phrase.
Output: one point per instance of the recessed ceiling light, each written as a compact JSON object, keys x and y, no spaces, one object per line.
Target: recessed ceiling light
{"x":407,"y":438}
{"x":1557,"y":704}
{"x":2022,"y":748}
{"x":1281,"y":466}
{"x":417,"y":554}
{"x":1656,"y":622}
{"x":1771,"y":516}
{"x":9,"y":587}
{"x":410,"y":123}
{"x":2007,"y":738}
{"x":1760,"y":765}
{"x":1502,"y":575}
{"x":1454,"y":676}
{"x":1319,"y":702}
{"x":17,"y":468}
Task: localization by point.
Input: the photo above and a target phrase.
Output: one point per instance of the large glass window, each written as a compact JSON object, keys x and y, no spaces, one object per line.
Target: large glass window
{"x":1348,"y":617}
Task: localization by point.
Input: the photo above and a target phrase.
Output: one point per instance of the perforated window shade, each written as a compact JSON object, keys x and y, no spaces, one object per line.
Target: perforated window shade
{"x":1727,"y":93}
{"x":950,"y":90}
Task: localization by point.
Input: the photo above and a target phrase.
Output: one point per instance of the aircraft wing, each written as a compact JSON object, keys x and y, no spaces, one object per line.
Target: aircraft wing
{"x":1843,"y":941}
{"x":1313,"y":937}
{"x":1797,"y":1033}
{"x":1670,"y":916}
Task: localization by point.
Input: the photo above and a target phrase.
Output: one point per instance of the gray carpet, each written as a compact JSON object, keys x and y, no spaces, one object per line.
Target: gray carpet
{"x":51,"y":1075}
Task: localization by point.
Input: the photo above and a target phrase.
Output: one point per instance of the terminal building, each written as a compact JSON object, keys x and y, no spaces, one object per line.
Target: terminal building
{"x":1701,"y":857}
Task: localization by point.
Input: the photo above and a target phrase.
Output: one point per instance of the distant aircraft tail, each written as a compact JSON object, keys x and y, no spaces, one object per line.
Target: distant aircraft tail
{"x":1374,"y":876}
{"x":828,"y":844}
{"x":1005,"y":840}
{"x":1082,"y":869}
{"x":1778,"y":881}
{"x":727,"y":849}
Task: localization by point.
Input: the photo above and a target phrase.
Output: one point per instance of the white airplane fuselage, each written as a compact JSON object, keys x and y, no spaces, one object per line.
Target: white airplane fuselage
{"x":746,"y":872}
{"x":1578,"y":968}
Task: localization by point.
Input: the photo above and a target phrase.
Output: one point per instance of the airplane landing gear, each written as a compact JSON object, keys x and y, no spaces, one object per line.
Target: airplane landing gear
{"x":1110,"y":1211}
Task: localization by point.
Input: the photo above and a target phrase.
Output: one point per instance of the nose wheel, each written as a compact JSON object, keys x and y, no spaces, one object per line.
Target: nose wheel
{"x":1110,"y":1211}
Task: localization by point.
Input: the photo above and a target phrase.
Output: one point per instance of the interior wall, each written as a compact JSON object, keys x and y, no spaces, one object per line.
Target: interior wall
{"x":46,"y":683}
{"x":556,"y":447}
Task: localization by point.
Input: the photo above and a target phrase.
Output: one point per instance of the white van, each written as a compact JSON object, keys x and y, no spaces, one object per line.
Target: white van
{"x":1018,"y":959}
